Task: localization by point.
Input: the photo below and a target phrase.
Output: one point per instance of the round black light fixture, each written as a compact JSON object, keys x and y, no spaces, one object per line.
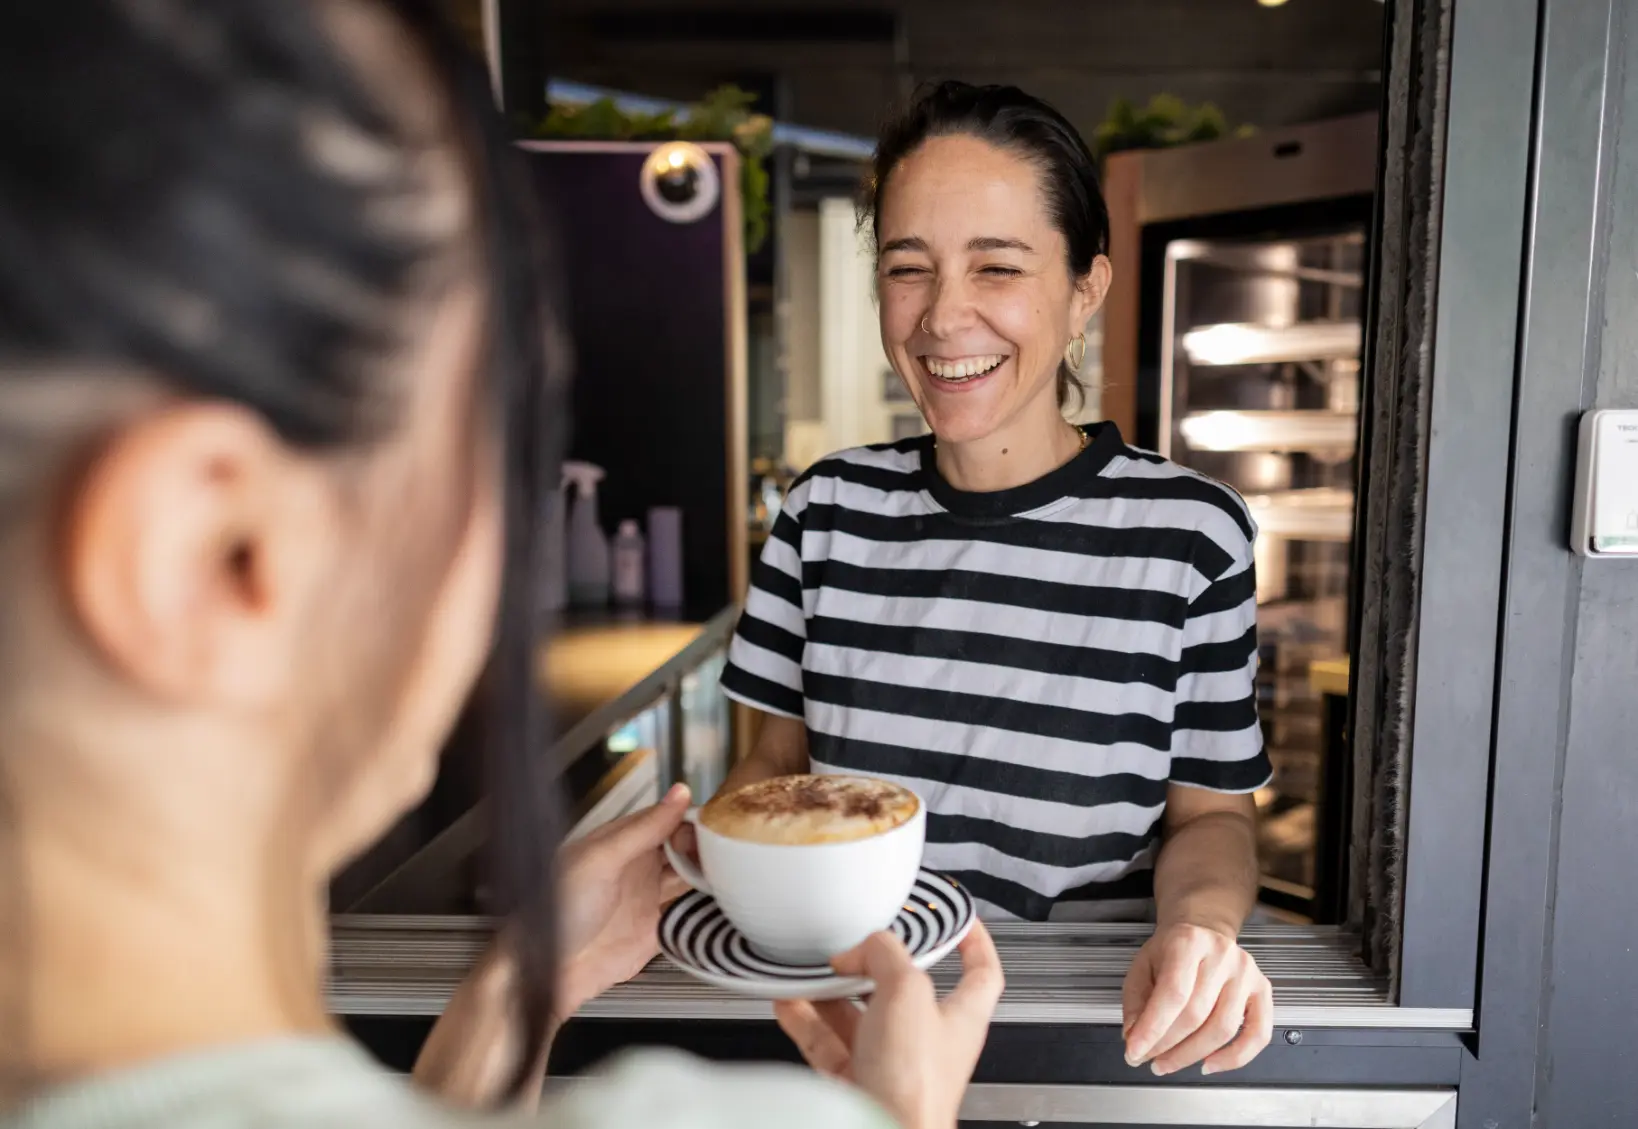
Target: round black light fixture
{"x":680,"y":182}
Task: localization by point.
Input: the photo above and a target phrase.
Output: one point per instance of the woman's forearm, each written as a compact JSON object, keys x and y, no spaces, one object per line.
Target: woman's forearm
{"x":781,"y":749}
{"x":1207,"y":872}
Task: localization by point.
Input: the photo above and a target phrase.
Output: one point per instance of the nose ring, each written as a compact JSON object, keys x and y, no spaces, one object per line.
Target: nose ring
{"x":924,"y":328}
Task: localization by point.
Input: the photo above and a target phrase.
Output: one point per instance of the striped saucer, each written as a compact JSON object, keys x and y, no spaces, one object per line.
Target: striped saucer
{"x":699,"y":939}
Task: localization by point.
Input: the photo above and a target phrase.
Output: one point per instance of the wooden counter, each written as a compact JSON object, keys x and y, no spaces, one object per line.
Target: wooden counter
{"x":591,"y":664}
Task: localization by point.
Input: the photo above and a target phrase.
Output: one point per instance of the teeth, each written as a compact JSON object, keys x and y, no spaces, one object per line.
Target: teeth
{"x":962,"y":370}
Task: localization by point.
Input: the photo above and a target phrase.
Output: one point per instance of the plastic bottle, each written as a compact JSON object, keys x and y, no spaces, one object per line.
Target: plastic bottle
{"x":665,"y":558}
{"x":588,"y":545}
{"x":629,"y":565}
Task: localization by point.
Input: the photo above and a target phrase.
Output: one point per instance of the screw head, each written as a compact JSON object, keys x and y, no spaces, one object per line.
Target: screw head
{"x":1294,"y":1038}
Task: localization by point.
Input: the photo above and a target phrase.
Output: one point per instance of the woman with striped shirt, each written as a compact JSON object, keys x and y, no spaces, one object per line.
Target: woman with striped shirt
{"x":1047,"y":634}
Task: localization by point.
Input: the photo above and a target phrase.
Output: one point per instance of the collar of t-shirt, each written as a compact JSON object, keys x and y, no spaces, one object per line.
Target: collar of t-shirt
{"x":1069,"y":480}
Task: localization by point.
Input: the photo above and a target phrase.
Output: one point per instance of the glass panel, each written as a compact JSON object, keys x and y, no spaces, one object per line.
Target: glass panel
{"x":1260,"y":372}
{"x":707,"y":747}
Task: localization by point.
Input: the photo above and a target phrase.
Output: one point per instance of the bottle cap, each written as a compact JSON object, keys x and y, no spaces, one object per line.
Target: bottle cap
{"x":628,"y":528}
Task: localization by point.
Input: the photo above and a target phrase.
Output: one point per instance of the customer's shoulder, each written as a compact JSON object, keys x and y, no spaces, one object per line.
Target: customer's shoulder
{"x":669,"y":1090}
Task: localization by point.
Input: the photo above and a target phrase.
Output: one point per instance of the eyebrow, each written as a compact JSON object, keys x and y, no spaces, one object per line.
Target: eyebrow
{"x":981,"y":243}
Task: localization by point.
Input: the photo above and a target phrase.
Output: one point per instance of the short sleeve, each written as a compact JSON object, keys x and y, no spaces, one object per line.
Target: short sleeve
{"x":764,"y":667}
{"x":1217,"y":741}
{"x":669,"y":1090}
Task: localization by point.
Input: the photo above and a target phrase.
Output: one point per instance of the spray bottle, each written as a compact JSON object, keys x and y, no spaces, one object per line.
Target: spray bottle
{"x":588,"y":545}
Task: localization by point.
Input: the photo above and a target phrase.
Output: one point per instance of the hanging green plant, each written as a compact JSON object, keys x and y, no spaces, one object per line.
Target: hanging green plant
{"x":723,"y":115}
{"x":1166,"y":121}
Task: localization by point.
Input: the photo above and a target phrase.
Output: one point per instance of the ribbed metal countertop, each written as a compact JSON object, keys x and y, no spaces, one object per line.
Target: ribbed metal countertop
{"x":1056,"y":973}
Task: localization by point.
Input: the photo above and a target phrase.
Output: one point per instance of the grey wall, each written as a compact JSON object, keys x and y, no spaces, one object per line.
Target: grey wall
{"x":1267,"y":66}
{"x":1590,"y":1003}
{"x":1558,"y":1005}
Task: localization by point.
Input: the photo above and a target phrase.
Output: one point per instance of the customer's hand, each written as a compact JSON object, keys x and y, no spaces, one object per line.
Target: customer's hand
{"x":1194,"y":994}
{"x":612,"y":886}
{"x":686,"y":843}
{"x":911,"y":1052}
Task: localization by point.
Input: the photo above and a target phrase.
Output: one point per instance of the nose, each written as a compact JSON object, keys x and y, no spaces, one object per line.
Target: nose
{"x":950,"y":310}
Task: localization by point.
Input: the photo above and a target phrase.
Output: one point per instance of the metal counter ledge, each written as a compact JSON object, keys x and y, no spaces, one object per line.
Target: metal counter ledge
{"x":1056,"y":974}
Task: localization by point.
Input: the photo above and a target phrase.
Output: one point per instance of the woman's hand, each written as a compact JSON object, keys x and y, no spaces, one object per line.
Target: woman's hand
{"x":1194,"y":994}
{"x":911,"y":1052}
{"x":612,"y":886}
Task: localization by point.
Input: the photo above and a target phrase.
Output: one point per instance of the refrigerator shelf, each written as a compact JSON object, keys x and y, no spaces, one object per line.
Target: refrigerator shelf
{"x":1244,"y":343}
{"x":1320,"y":514}
{"x":1306,"y":431}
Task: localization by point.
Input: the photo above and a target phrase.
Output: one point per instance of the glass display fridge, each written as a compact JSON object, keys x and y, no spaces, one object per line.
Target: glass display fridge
{"x":1259,"y":388}
{"x":1237,"y":353}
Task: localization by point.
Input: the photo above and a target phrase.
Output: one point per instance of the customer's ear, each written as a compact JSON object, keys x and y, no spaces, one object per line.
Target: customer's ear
{"x":193,"y":541}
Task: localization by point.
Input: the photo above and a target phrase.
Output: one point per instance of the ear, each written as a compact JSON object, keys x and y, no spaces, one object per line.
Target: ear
{"x":1091,"y":289}
{"x":194,"y":543}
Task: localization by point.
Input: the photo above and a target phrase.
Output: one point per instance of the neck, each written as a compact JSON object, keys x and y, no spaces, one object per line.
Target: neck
{"x":1010,"y":456}
{"x":113,"y":960}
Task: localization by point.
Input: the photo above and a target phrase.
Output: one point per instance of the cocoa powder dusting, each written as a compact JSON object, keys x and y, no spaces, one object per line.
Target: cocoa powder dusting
{"x":802,"y":794}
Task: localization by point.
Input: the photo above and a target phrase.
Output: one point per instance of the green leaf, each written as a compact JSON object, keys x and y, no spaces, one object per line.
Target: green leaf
{"x":1166,"y":121}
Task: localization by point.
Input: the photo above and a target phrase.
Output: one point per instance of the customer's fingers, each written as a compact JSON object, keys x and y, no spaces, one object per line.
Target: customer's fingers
{"x":821,"y":1047}
{"x":645,"y":830}
{"x":842,"y":1016}
{"x":672,"y":885}
{"x":982,"y":978}
{"x":881,"y":957}
{"x":686,"y":842}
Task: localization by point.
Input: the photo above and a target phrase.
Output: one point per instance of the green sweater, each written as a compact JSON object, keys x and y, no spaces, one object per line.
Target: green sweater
{"x":331,"y":1084}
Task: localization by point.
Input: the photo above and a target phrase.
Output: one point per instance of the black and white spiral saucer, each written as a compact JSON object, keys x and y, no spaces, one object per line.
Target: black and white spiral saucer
{"x":698,"y":938}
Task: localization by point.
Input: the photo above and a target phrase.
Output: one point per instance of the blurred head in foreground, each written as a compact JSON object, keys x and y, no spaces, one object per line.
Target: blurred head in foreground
{"x":273,"y":362}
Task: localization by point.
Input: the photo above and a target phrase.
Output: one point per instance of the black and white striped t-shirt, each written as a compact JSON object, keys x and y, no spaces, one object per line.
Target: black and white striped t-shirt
{"x":1038,"y":664}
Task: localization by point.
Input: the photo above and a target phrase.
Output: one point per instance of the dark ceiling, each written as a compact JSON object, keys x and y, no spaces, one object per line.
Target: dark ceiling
{"x":839,"y":67}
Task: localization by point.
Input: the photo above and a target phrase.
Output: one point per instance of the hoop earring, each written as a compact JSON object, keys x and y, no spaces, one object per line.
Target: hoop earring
{"x":1075,"y":353}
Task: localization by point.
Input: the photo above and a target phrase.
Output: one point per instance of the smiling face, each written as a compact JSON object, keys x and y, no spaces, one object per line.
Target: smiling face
{"x":977,"y":300}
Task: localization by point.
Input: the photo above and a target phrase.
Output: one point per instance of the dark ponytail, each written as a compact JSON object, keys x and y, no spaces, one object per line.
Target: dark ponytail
{"x":528,"y":368}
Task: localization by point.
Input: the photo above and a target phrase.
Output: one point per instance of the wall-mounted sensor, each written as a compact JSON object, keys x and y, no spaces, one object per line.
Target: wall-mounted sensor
{"x":680,"y":182}
{"x":1605,"y":520}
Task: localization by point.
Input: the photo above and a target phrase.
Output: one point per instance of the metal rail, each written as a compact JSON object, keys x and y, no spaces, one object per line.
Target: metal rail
{"x":465,"y":835}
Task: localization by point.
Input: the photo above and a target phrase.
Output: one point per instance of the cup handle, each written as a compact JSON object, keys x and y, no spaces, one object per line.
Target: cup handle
{"x":690,"y":873}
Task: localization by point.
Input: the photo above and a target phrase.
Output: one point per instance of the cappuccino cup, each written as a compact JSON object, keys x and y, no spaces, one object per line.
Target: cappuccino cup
{"x":807,"y":867}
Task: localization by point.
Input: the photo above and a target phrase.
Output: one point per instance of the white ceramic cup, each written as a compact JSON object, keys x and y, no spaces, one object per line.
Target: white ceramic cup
{"x":805,"y":903}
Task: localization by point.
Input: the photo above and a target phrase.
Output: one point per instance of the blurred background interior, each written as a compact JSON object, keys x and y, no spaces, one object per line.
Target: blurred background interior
{"x":1280,"y":212}
{"x":722,"y":353}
